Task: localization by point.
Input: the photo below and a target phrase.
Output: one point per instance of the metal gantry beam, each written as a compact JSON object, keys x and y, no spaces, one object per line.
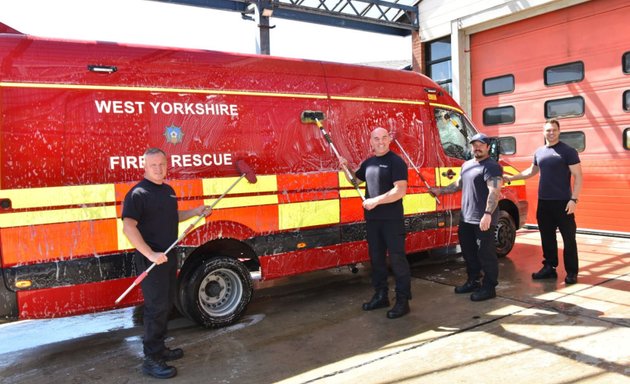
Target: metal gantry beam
{"x":397,"y":17}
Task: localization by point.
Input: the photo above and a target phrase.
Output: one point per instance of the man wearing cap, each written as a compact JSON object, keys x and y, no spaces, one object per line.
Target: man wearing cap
{"x":480,"y":181}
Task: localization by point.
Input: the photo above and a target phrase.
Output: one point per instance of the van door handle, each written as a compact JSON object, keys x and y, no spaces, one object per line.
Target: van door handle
{"x":449,"y":174}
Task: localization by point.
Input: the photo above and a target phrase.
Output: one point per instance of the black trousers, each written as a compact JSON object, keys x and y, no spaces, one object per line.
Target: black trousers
{"x":480,"y":253}
{"x":551,"y":215}
{"x":385,"y":236}
{"x":158,"y":289}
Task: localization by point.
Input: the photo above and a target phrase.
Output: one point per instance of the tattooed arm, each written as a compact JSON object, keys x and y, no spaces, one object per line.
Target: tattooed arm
{"x":494,"y":190}
{"x":451,"y":188}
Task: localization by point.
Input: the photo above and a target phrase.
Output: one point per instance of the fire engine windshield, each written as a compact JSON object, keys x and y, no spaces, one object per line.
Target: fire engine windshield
{"x":454,"y":130}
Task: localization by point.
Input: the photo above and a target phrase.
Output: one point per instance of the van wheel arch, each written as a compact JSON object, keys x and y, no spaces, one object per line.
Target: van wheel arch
{"x":234,"y":249}
{"x":217,"y":292}
{"x":505,"y":233}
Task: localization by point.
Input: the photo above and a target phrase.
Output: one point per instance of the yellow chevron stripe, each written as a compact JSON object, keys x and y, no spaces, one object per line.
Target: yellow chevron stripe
{"x":247,"y":201}
{"x":510,"y":170}
{"x":265,"y":183}
{"x":443,"y":180}
{"x":58,"y":196}
{"x":347,"y":193}
{"x":308,"y":214}
{"x":419,"y":203}
{"x":343,"y":182}
{"x":18,"y":219}
{"x":159,"y":89}
{"x":123,"y":242}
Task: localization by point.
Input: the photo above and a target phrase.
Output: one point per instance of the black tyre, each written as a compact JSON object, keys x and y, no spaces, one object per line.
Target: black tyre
{"x":184,"y":278}
{"x":217,"y":292}
{"x":505,"y":235}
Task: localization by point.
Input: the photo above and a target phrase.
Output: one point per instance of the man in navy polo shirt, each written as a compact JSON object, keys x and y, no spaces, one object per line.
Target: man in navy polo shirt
{"x":557,"y":162}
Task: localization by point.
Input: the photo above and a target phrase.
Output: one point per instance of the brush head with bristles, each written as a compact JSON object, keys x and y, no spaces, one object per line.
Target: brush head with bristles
{"x":246,"y":170}
{"x":312,"y":116}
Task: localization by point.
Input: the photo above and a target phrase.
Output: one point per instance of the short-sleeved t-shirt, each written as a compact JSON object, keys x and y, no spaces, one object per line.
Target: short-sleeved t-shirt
{"x":154,"y":207}
{"x":474,"y":182}
{"x":380,"y":173}
{"x":555,"y":175}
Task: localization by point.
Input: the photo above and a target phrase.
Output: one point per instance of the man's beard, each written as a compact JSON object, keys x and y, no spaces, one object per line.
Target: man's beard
{"x":478,"y":154}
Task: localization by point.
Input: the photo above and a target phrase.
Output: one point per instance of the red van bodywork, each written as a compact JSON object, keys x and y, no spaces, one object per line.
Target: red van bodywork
{"x":76,"y":117}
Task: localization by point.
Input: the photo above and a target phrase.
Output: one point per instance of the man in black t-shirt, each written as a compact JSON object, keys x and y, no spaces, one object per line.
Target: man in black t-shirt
{"x":557,"y":201}
{"x":150,"y":222}
{"x":386,"y":176}
{"x":480,"y":182}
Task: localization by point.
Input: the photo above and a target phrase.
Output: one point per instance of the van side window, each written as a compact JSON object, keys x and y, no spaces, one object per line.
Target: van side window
{"x":454,"y":130}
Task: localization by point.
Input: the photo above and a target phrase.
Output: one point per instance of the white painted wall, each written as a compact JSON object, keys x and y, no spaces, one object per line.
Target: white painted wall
{"x":436,"y":15}
{"x":461,"y":18}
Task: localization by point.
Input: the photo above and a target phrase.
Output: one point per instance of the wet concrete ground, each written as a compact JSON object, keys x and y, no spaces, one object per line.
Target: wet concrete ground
{"x":311,"y":329}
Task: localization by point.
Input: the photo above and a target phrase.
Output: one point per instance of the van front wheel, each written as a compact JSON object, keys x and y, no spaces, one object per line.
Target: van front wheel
{"x":505,"y":235}
{"x":217,"y":292}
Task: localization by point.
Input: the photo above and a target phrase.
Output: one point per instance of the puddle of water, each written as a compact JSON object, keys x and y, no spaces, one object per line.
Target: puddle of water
{"x":19,"y":335}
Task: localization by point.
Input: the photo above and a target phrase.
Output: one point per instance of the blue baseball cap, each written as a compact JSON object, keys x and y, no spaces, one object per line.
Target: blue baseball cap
{"x":480,"y":137}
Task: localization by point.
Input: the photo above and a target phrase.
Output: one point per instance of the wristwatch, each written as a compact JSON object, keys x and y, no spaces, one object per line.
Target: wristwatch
{"x":574,"y":200}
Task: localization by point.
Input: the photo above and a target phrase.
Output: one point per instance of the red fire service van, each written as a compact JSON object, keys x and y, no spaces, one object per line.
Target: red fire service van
{"x":76,"y":117}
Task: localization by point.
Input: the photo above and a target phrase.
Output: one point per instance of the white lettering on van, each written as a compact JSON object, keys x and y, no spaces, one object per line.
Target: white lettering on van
{"x":165,"y":108}
{"x":177,"y":161}
{"x":198,"y":160}
{"x":126,"y":162}
{"x":158,"y":107}
{"x":119,"y":106}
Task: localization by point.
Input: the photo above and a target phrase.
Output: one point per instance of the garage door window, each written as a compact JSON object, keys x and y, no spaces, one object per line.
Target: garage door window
{"x":565,"y":73}
{"x":569,"y":107}
{"x":575,"y":139}
{"x":499,"y":115}
{"x":626,"y":101}
{"x":496,"y":85}
{"x":625,"y":62}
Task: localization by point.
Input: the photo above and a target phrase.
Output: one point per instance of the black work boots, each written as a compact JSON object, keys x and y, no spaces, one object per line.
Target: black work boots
{"x":468,"y":287}
{"x":173,"y":354}
{"x":381,"y":300}
{"x":158,"y":368}
{"x":546,"y":272}
{"x":400,"y":308}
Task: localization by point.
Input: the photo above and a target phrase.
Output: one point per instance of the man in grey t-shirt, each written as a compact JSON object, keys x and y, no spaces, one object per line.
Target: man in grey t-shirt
{"x":480,"y":181}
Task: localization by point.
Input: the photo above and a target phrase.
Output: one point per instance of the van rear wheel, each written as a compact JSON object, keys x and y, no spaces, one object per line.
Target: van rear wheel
{"x":217,"y":292}
{"x":505,"y":235}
